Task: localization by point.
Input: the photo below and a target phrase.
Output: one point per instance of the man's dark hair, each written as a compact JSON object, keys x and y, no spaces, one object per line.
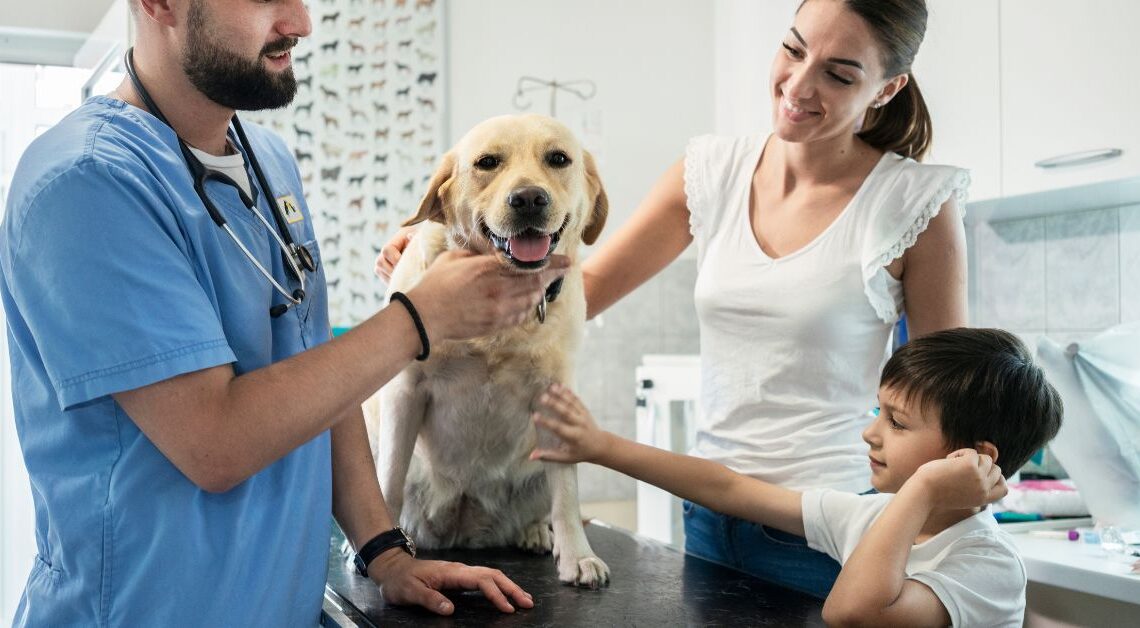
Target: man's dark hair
{"x":986,"y":387}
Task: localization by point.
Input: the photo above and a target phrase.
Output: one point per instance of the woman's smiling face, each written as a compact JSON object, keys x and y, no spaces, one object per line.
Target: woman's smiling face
{"x":826,"y":74}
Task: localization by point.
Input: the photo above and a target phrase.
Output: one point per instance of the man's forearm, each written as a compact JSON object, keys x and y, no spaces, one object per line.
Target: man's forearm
{"x":357,"y":501}
{"x":219,"y":429}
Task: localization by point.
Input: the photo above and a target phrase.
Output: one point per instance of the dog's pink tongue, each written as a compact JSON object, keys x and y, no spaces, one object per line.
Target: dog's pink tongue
{"x":530,"y":248}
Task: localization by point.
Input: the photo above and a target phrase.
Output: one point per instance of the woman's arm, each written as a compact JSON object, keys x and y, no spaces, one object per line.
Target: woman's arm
{"x":654,"y":236}
{"x":933,"y":274}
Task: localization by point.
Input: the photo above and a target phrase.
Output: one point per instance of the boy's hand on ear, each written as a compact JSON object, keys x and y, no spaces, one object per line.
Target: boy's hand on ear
{"x":564,"y":414}
{"x":964,"y":479}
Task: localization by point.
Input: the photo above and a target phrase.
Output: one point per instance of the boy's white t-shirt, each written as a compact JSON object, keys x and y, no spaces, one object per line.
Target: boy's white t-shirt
{"x":791,"y":348}
{"x":972,"y":566}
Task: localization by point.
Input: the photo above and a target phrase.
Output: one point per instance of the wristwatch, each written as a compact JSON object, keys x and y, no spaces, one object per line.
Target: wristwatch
{"x":381,"y":543}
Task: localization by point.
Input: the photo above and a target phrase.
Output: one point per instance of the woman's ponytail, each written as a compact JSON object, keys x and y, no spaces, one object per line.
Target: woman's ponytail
{"x":902,"y":125}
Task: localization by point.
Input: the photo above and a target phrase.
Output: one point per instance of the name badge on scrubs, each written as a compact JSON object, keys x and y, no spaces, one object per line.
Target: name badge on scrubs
{"x":290,"y":209}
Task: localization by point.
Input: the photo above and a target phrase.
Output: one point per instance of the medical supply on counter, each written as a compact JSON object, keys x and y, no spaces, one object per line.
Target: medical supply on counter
{"x":1007,"y":516}
{"x":1049,"y":498}
{"x":1071,"y":535}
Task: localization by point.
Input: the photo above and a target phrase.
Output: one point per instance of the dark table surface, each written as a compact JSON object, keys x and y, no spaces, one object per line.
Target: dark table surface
{"x":650,"y":585}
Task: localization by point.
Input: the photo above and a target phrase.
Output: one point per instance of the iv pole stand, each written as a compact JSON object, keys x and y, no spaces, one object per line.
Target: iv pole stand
{"x":584,"y":89}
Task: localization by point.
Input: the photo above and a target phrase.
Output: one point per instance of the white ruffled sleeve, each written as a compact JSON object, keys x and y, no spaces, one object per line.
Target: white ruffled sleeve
{"x":904,"y":207}
{"x":696,"y":181}
{"x":715,"y":166}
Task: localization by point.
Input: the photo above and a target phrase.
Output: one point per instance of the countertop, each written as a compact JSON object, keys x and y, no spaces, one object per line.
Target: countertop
{"x":1078,"y":566}
{"x":651,"y":585}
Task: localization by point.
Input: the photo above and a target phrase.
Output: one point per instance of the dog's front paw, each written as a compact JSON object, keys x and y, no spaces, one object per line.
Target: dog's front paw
{"x":537,"y":538}
{"x":584,"y":571}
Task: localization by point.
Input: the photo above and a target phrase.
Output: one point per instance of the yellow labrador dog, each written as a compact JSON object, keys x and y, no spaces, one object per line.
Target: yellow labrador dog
{"x":453,"y":441}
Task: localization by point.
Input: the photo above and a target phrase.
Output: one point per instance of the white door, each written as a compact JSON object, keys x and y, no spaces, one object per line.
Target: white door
{"x":1069,"y":93}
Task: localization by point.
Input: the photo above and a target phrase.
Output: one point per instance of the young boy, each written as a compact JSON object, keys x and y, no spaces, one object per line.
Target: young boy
{"x":925,"y":551}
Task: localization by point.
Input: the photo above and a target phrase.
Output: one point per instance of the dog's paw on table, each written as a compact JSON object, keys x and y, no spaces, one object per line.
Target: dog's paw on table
{"x":588,"y":571}
{"x":537,"y":538}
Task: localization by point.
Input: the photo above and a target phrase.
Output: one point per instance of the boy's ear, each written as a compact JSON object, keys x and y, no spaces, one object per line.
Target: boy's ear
{"x":987,"y":448}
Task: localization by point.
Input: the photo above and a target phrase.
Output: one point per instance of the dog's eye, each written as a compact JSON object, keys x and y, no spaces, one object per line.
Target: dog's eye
{"x":487,"y":162}
{"x":558,"y":159}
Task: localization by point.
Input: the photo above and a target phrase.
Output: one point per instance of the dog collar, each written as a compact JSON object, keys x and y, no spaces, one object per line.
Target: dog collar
{"x":551,"y":294}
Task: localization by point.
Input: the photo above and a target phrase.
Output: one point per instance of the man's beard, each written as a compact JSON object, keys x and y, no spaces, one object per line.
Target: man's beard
{"x":229,"y":79}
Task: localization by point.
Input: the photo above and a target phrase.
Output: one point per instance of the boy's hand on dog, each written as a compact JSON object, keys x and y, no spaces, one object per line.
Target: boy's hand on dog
{"x":391,"y":253}
{"x":564,"y":414}
{"x":963,"y":479}
{"x":465,"y":295}
{"x":406,"y":580}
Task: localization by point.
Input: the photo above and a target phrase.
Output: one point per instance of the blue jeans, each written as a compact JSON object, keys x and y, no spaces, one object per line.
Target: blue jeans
{"x":764,"y":552}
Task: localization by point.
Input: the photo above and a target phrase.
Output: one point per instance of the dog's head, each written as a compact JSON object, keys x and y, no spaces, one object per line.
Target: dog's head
{"x":520,"y":185}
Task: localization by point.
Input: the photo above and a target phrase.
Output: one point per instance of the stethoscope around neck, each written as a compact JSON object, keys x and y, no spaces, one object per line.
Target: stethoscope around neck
{"x":297,"y":258}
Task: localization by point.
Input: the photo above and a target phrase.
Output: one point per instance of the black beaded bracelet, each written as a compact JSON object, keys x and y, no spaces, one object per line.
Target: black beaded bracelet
{"x":407,"y":303}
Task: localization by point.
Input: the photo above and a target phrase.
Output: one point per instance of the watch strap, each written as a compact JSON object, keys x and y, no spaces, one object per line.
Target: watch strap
{"x":396,"y":537}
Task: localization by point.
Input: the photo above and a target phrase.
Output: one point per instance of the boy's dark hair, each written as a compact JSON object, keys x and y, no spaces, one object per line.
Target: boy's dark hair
{"x":986,"y":387}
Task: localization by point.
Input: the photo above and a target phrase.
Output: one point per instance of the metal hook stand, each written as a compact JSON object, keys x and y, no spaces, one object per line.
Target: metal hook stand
{"x":584,"y":89}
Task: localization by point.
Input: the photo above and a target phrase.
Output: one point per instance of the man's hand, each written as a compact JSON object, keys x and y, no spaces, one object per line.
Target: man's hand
{"x":406,"y":580}
{"x":466,"y":295}
{"x":564,"y":414}
{"x":391,"y":253}
{"x":964,"y":479}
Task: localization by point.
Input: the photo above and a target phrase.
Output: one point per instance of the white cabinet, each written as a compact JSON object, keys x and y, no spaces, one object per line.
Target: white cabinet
{"x":957,"y":71}
{"x":1068,"y":89}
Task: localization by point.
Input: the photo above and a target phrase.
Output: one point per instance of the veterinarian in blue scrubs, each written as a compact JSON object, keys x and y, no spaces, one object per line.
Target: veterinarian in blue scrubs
{"x":187,"y":424}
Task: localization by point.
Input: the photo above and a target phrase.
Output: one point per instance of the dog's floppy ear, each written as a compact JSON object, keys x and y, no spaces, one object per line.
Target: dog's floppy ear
{"x":431,"y":206}
{"x":601,"y":201}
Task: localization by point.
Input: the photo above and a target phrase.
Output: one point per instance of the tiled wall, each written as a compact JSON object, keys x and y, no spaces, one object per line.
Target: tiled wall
{"x":658,"y":317}
{"x":1066,"y":276}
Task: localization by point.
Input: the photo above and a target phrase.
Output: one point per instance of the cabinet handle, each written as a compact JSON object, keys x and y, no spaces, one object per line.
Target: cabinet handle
{"x":1078,"y":158}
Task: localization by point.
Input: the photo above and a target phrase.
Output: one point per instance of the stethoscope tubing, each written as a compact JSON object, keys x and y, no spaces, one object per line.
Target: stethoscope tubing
{"x":291,"y":251}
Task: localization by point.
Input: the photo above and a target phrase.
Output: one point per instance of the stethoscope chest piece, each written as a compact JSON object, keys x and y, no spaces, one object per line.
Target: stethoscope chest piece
{"x":304,"y":258}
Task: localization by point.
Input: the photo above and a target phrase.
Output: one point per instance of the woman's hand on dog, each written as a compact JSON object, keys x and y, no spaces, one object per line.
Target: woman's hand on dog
{"x":465,"y":295}
{"x":406,"y":580}
{"x":391,"y":253}
{"x":564,"y":414}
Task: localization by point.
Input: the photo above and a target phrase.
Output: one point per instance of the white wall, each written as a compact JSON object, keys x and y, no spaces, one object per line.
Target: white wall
{"x":748,"y":36}
{"x":651,"y":61}
{"x":57,"y":15}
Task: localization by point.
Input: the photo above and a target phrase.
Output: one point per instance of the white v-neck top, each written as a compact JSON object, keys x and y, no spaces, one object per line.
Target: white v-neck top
{"x":791,"y":348}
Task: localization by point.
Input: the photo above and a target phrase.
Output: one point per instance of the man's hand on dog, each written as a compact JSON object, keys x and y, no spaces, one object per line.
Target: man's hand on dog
{"x":466,"y":295}
{"x":564,"y":414}
{"x":406,"y":580}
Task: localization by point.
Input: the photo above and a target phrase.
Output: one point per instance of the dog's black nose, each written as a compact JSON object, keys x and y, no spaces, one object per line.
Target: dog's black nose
{"x":528,"y":200}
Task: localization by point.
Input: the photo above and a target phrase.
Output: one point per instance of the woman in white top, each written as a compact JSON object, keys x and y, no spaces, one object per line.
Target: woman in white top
{"x":811,"y":243}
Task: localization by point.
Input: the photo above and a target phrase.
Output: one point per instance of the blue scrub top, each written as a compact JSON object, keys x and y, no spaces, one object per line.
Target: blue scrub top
{"x":115,"y":277}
